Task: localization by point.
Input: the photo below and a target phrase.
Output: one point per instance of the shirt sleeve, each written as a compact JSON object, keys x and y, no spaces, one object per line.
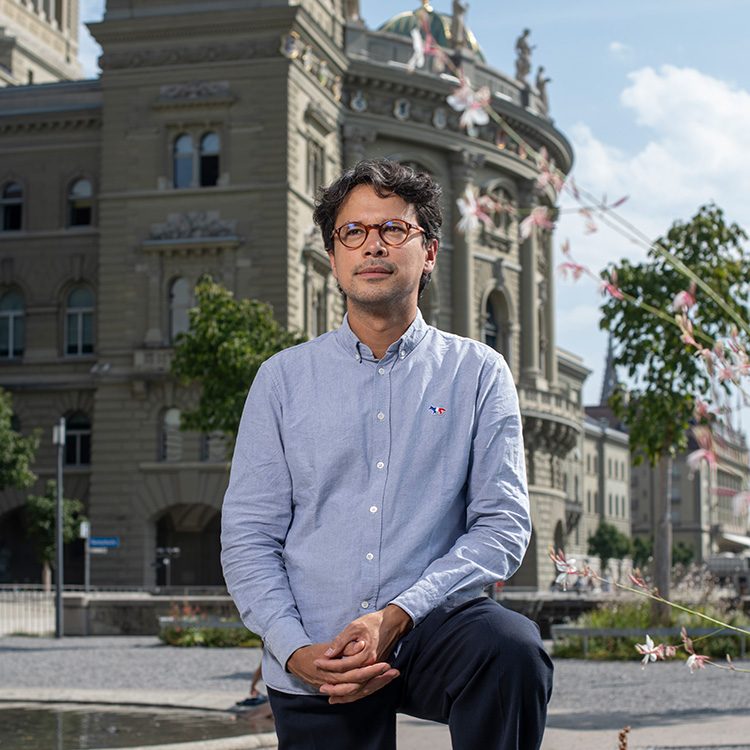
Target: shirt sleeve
{"x":256,"y":515}
{"x":498,"y":520}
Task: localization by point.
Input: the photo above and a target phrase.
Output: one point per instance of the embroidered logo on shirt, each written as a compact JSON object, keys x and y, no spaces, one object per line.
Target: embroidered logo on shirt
{"x":439,"y":410}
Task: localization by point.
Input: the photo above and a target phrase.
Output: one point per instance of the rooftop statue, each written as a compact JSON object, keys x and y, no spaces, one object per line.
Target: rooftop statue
{"x":541,"y":86}
{"x":458,"y":28}
{"x":352,"y":10}
{"x":523,"y":56}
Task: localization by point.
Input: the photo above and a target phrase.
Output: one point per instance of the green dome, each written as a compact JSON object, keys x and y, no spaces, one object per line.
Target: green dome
{"x":440,"y":28}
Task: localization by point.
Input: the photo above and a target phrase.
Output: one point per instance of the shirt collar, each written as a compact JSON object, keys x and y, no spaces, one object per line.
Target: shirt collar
{"x":404,"y":345}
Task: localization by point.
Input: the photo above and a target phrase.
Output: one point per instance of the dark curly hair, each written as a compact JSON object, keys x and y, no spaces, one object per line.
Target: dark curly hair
{"x":386,"y":178}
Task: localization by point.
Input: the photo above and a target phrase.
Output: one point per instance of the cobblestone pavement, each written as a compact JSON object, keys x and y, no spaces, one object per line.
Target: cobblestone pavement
{"x":592,"y":700}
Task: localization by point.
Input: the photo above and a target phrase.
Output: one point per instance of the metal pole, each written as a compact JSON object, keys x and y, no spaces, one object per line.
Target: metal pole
{"x":58,"y":437}
{"x":87,"y":568}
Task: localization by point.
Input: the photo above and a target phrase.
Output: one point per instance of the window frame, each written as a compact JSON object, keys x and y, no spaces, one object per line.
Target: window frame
{"x":9,"y":317}
{"x":7,"y":204}
{"x":79,"y":313}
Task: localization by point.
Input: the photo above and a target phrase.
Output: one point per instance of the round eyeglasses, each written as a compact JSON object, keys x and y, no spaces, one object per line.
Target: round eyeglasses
{"x":394,"y":233}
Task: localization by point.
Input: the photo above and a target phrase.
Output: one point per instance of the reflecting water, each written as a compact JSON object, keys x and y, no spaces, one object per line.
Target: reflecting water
{"x":86,"y":727}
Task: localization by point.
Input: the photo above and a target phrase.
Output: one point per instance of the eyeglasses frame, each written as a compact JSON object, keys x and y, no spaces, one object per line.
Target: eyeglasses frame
{"x":410,"y":228}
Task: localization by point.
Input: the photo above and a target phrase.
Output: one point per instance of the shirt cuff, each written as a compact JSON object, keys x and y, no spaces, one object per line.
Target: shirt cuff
{"x":284,"y":637}
{"x":417,"y":602}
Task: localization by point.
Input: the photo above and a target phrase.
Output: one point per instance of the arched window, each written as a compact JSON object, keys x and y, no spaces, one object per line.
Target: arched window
{"x":179,"y":308}
{"x":209,"y":165}
{"x":170,"y":444}
{"x":183,"y":161}
{"x":11,"y":200}
{"x":497,"y":324}
{"x":77,"y":440}
{"x":11,"y":325}
{"x":79,"y":322}
{"x":80,"y":203}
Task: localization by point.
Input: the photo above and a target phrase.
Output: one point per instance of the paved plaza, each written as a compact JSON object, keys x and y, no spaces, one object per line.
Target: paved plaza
{"x":665,"y":705}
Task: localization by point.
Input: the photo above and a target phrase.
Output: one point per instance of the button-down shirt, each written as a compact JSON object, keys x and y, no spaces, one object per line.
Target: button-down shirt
{"x":357,"y":482}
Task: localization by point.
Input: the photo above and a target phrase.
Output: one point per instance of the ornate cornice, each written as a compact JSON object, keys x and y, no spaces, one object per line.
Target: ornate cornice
{"x":194,"y":94}
{"x":62,"y":123}
{"x":206,"y":53}
{"x":202,"y":232}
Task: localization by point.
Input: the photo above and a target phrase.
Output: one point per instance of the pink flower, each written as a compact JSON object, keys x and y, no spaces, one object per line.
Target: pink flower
{"x":651,"y":652}
{"x":610,"y":287}
{"x":702,"y":410}
{"x":697,"y":457}
{"x":637,"y":579}
{"x":473,"y":105}
{"x":539,"y":217}
{"x":590,"y":226}
{"x":576,"y":270}
{"x":684,"y":300}
{"x":696,"y":661}
{"x":472,"y":212}
{"x":549,"y":175}
{"x":565,"y":567}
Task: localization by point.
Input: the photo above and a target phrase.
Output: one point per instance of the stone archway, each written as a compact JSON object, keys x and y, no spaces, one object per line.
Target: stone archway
{"x":195,"y":530}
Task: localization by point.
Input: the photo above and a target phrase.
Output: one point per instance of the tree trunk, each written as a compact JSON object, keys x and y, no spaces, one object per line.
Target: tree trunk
{"x":663,"y":541}
{"x":46,"y":577}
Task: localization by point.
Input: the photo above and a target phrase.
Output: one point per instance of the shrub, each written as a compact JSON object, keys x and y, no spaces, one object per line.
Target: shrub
{"x":637,"y":615}
{"x":211,"y":637}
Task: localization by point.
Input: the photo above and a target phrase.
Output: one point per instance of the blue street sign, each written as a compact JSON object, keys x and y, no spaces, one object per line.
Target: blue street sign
{"x":108,"y":542}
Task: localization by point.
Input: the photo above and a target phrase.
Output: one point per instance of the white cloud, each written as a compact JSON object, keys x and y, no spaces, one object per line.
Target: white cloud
{"x":697,"y":151}
{"x":620,"y":51}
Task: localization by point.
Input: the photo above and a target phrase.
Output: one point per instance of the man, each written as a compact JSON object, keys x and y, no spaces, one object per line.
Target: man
{"x":378,"y":484}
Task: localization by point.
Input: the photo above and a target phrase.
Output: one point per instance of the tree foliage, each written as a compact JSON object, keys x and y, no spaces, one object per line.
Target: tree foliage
{"x":16,"y":451}
{"x":226,"y":344}
{"x":41,"y":511}
{"x":666,"y":375}
{"x":608,"y":543}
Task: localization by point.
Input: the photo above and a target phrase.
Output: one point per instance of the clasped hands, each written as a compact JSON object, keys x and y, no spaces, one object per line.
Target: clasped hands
{"x":353,"y":664}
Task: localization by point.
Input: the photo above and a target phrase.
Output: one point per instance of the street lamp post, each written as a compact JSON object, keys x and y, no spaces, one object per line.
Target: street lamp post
{"x":58,"y":439}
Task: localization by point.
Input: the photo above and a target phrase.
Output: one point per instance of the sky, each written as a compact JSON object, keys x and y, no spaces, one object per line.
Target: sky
{"x":655,"y":100}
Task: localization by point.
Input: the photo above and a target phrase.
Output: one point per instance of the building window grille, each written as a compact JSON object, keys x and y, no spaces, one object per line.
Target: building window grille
{"x":80,"y":204}
{"x":12,"y":207}
{"x":77,"y":440}
{"x":180,"y":301}
{"x":183,"y":161}
{"x":79,"y":322}
{"x":11,"y":325}
{"x":209,"y":160}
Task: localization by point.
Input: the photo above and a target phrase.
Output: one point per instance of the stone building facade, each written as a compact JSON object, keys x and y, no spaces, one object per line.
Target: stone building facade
{"x":199,"y":149}
{"x":701,"y":503}
{"x":38,"y":41}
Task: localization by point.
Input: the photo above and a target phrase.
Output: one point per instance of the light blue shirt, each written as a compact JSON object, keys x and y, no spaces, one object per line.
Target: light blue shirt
{"x":359,"y":482}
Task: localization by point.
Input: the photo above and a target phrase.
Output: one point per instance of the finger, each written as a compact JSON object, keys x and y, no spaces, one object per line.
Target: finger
{"x":345,"y":663}
{"x":371,"y":687}
{"x":348,"y":688}
{"x":354,"y":647}
{"x":359,"y":676}
{"x":342,"y":640}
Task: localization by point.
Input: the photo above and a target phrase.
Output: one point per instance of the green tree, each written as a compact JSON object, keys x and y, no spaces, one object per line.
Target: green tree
{"x":682,"y":554}
{"x":643,"y":550}
{"x":16,"y":451}
{"x":41,"y":512}
{"x":227,"y":342}
{"x":607,"y":544}
{"x":666,"y":377}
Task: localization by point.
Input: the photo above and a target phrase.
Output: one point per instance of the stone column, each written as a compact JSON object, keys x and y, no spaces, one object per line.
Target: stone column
{"x":549,"y":311}
{"x":465,"y":317}
{"x":529,"y":299}
{"x":154,"y":336}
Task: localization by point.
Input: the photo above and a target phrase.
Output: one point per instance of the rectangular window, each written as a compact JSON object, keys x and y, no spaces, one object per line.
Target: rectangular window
{"x":315,"y":166}
{"x":12,"y":217}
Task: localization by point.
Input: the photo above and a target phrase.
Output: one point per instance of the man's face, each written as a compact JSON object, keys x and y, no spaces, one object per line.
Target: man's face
{"x":377,"y":275}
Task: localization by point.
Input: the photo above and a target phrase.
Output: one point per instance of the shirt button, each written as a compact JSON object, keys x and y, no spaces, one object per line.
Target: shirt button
{"x":381,"y":416}
{"x":402,"y":354}
{"x":373,"y":509}
{"x":381,"y":370}
{"x":365,"y":605}
{"x":380,"y":465}
{"x":369,"y":556}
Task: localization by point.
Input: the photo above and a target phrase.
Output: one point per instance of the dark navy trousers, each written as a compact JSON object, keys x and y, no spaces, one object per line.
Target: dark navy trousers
{"x":480,"y":668}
